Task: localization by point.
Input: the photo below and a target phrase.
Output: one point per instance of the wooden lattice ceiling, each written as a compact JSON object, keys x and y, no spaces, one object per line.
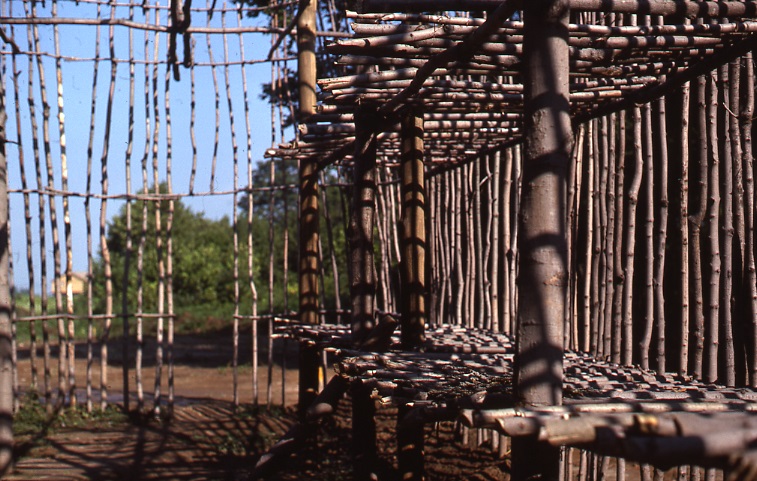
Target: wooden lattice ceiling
{"x":462,"y":72}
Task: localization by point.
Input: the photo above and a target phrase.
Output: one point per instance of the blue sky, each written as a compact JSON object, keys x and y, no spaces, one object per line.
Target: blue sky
{"x":80,"y":41}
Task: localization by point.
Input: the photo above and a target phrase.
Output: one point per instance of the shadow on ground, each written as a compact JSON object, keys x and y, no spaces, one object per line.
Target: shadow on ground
{"x":201,"y":441}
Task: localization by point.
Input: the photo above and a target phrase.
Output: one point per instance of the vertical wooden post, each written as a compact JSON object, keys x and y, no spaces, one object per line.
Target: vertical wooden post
{"x":543,"y":246}
{"x":362,"y":213}
{"x":714,"y":222}
{"x":410,"y":455}
{"x":309,"y":234}
{"x":363,"y":432}
{"x":661,"y":236}
{"x":413,"y":231}
{"x":6,"y":350}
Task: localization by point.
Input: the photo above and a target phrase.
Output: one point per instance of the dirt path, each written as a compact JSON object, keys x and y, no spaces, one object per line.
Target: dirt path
{"x":203,"y":441}
{"x":202,"y":370}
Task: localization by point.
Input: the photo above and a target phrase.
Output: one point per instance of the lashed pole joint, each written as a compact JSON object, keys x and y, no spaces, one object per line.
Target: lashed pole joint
{"x":181,"y":19}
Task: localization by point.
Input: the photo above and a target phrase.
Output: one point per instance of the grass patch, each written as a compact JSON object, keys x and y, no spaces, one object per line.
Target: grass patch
{"x":33,"y":425}
{"x":33,"y":419}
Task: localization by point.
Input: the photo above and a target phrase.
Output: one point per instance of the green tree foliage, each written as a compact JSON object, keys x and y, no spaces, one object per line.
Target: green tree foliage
{"x":203,"y":253}
{"x":202,"y":258}
{"x":280,"y":206}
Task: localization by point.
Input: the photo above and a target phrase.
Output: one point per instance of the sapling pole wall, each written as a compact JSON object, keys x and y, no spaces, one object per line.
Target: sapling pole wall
{"x":116,"y":169}
{"x":675,"y":303}
{"x":627,"y":202}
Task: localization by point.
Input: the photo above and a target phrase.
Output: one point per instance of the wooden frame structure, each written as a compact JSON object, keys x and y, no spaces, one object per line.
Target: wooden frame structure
{"x":431,"y":95}
{"x":504,"y":74}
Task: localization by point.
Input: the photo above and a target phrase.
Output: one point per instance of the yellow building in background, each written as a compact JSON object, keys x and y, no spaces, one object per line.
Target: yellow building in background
{"x":78,"y":283}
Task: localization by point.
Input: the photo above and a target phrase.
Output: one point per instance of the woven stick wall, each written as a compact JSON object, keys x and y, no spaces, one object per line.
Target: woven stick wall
{"x":138,"y":111}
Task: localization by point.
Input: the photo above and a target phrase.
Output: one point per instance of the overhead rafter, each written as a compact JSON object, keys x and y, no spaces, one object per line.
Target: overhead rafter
{"x":464,"y":71}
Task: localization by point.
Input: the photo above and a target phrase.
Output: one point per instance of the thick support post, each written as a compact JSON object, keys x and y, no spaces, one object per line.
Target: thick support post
{"x":363,"y":433}
{"x":309,"y":362}
{"x":6,"y":349}
{"x":308,"y":176}
{"x":413,"y":233}
{"x":542,"y":278}
{"x":410,"y":455}
{"x":306,"y":57}
{"x":362,"y":215}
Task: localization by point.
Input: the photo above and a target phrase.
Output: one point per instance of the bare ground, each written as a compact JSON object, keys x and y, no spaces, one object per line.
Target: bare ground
{"x":205,"y":439}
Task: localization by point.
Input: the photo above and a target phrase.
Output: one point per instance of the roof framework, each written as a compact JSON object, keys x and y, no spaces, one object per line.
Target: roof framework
{"x":463,"y":72}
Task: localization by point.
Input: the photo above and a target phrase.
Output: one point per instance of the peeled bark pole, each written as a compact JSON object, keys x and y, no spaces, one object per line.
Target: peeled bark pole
{"x":364,"y":450}
{"x":746,"y":118}
{"x":648,"y":186}
{"x":309,"y":235}
{"x":308,"y":172}
{"x":729,"y":366}
{"x":413,"y":229}
{"x":683,"y":366}
{"x":543,"y":246}
{"x":661,"y":238}
{"x":698,"y":208}
{"x":713,"y":234}
{"x":410,"y":441}
{"x":633,"y":199}
{"x":362,"y":214}
{"x":6,"y":357}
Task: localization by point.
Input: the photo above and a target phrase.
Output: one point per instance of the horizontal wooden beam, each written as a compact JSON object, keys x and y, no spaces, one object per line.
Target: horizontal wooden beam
{"x":122,"y":22}
{"x":654,"y":92}
{"x":690,"y":9}
{"x":460,"y":52}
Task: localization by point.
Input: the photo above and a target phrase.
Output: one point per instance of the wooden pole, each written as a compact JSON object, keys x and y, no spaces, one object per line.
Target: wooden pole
{"x":630,"y":230}
{"x":410,"y":455}
{"x":661,"y":237}
{"x":70,"y":342}
{"x":6,"y":350}
{"x":362,"y":213}
{"x":126,"y":339}
{"x":726,"y":302}
{"x":157,"y":393}
{"x":750,"y":276}
{"x":543,"y":245}
{"x":603,"y":287}
{"x":655,"y":7}
{"x":494,"y":270}
{"x":596,"y":341}
{"x":683,"y":366}
{"x":713,"y":233}
{"x":739,"y":318}
{"x":309,"y":232}
{"x":363,"y":433}
{"x":698,"y":208}
{"x":593,"y":275}
{"x":608,"y":157}
{"x":648,"y":189}
{"x":413,"y":228}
